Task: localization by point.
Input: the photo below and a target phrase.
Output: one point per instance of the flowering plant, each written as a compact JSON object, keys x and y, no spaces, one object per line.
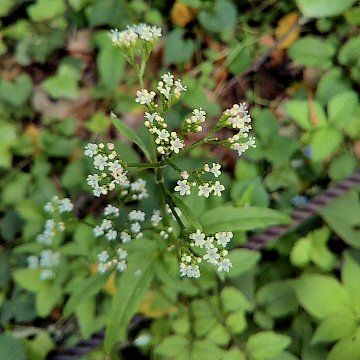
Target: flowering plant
{"x":141,"y":244}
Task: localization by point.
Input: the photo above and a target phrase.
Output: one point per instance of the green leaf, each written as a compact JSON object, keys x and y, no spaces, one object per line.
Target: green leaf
{"x":132,"y":287}
{"x":321,"y":295}
{"x":89,"y":287}
{"x":177,"y":50}
{"x":186,"y":211}
{"x":342,"y":166}
{"x":342,"y":108}
{"x":17,"y":92}
{"x":243,"y":260}
{"x":29,"y":279}
{"x":131,"y":134}
{"x":108,"y":12}
{"x":219,"y":335}
{"x":350,"y":52}
{"x":346,"y":349}
{"x":221,"y":18}
{"x":312,"y":51}
{"x":335,"y":327}
{"x":278,"y":298}
{"x":172,"y":346}
{"x":111,"y":65}
{"x":323,"y":8}
{"x":267,"y":345}
{"x":41,"y":11}
{"x":324,"y":142}
{"x":332,"y":83}
{"x":229,"y":218}
{"x":204,"y":349}
{"x":342,"y":216}
{"x":65,"y":83}
{"x":11,"y":348}
{"x":233,"y":299}
{"x":237,"y":321}
{"x":47,"y":298}
{"x":299,"y":111}
{"x":350,"y":275}
{"x":5,"y":6}
{"x":38,"y":347}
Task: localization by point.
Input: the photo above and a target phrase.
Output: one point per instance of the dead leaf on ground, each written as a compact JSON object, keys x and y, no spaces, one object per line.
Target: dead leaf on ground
{"x":181,"y":14}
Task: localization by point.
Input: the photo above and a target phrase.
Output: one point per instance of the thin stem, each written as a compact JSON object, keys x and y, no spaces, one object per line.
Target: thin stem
{"x":148,"y":165}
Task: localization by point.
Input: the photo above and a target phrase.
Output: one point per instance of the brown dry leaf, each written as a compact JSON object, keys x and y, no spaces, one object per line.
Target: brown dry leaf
{"x":284,"y":27}
{"x":32,"y":131}
{"x":357,"y":148}
{"x":81,"y":108}
{"x":181,"y":14}
{"x":146,"y":307}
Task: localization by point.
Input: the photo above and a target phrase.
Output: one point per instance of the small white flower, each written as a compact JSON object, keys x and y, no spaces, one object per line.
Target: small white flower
{"x":47,"y":274}
{"x":163,"y":135}
{"x":168,"y":79}
{"x":205,"y":190}
{"x":144,"y":97}
{"x":150,"y":117}
{"x":91,"y":150}
{"x":218,"y":188}
{"x":122,"y":254}
{"x":179,"y":88}
{"x":212,"y":255}
{"x":111,"y":235}
{"x":93,"y":180}
{"x":214,"y":169}
{"x":103,"y":256}
{"x":176,"y":145}
{"x":33,"y":262}
{"x":198,"y":237}
{"x":100,"y":162}
{"x":111,"y":210}
{"x":125,"y":237}
{"x":183,"y":187}
{"x":136,"y":215}
{"x":106,"y":224}
{"x":198,"y":116}
{"x":135,"y":227}
{"x":223,"y":237}
{"x":156,"y":217}
{"x":224,"y":265}
{"x":121,"y":266}
{"x":98,"y":231}
{"x":65,"y":205}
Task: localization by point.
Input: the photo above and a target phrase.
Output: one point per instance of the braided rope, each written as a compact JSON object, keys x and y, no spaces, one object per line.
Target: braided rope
{"x":256,"y":242}
{"x":259,"y":241}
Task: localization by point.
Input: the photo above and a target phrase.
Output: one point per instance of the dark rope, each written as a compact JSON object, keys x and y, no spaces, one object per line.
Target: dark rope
{"x":259,"y":241}
{"x":256,"y":242}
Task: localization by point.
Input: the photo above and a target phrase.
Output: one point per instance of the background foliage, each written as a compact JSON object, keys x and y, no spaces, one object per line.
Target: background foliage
{"x":296,"y":64}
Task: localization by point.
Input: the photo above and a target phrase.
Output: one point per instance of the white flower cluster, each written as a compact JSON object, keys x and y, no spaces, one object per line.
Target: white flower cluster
{"x":189,"y":264}
{"x":156,"y":218}
{"x":205,"y":188}
{"x":169,"y":92}
{"x":133,"y":231}
{"x":138,"y":190}
{"x":238,"y":118}
{"x":117,"y":261}
{"x":166,"y":142}
{"x":47,"y":261}
{"x":53,"y":226}
{"x":170,"y":88}
{"x":193,"y":123}
{"x":132,"y":34}
{"x":106,"y":227}
{"x":106,"y":160}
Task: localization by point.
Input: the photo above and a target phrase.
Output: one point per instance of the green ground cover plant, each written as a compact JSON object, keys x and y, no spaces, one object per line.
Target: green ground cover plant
{"x":130,"y":182}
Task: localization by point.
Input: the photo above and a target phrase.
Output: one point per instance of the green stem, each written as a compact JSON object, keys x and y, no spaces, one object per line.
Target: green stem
{"x":149,"y":165}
